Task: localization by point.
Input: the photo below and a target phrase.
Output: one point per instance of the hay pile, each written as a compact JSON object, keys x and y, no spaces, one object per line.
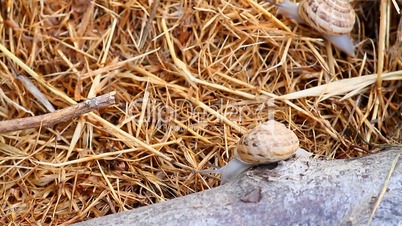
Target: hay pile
{"x":190,"y":78}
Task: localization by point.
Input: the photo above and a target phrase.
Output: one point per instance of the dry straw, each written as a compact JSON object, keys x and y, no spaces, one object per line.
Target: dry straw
{"x":190,"y":78}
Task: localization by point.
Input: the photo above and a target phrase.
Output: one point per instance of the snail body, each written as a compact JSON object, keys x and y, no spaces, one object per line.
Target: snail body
{"x":268,"y":142}
{"x":334,"y":19}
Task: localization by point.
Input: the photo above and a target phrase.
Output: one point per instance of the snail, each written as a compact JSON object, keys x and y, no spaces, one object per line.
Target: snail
{"x":334,"y":19}
{"x":268,"y":142}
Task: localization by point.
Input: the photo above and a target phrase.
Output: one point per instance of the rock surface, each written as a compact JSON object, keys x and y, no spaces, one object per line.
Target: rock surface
{"x":300,"y":191}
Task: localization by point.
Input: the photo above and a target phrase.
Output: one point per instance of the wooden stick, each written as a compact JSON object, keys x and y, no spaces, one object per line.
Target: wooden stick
{"x":58,"y":116}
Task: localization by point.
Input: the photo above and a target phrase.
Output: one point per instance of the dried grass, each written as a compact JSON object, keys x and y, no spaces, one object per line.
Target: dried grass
{"x":189,"y":81}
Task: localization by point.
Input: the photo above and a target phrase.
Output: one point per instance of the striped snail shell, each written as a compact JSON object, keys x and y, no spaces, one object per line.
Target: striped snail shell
{"x":334,"y":19}
{"x":268,"y":142}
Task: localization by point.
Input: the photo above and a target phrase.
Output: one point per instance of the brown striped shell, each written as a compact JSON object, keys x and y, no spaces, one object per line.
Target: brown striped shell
{"x":331,"y":17}
{"x":268,"y":142}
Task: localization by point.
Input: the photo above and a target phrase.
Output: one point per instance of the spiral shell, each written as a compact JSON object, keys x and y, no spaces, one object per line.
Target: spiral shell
{"x":267,"y":143}
{"x":331,"y":17}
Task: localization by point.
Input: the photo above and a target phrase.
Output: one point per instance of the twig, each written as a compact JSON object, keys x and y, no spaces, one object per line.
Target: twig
{"x":59,"y":115}
{"x":148,"y":26}
{"x":376,"y":145}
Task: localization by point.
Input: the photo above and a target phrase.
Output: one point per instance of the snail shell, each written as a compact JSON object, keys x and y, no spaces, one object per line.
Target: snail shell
{"x":268,"y":142}
{"x":334,"y":19}
{"x":331,"y":17}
